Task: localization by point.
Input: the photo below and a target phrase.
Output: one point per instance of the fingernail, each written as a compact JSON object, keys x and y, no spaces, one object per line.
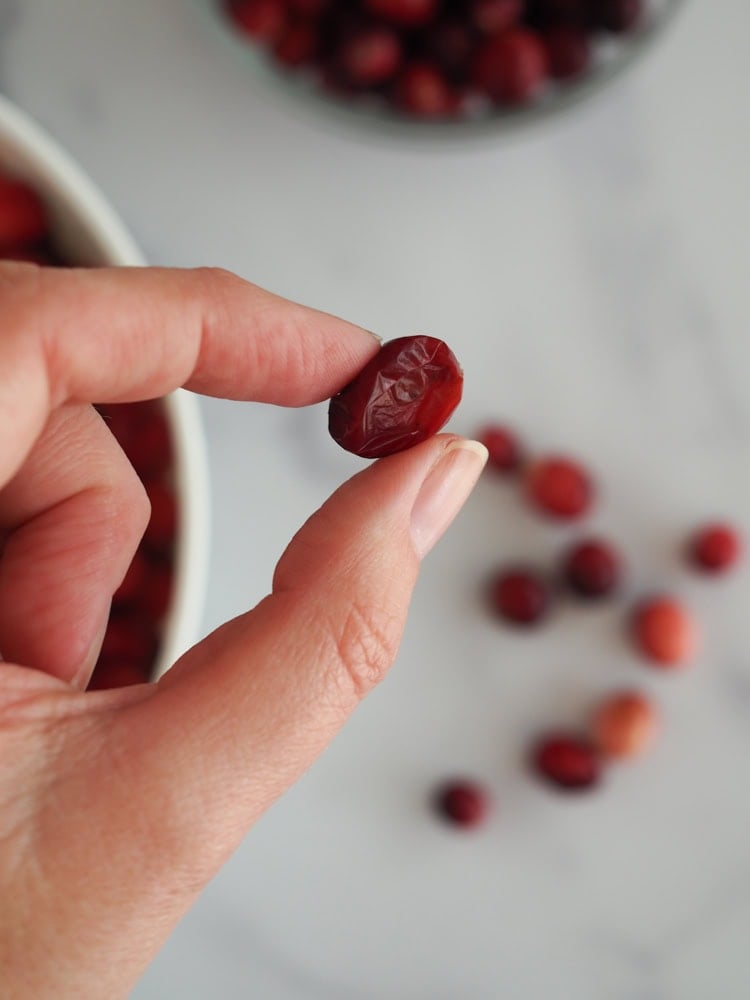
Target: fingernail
{"x":444,"y":492}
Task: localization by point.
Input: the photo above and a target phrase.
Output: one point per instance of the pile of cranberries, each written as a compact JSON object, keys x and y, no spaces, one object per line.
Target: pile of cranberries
{"x":436,"y":58}
{"x":131,"y":641}
{"x":662,"y":630}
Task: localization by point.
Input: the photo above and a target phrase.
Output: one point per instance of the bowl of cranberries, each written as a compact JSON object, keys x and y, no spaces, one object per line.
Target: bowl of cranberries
{"x":442,"y":62}
{"x":51,"y":214}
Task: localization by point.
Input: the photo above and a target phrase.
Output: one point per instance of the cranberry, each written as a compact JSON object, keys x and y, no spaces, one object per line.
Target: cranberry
{"x":149,"y":447}
{"x":560,"y":486}
{"x":715,"y":548}
{"x":520,"y":595}
{"x":128,"y":638}
{"x":406,"y":13}
{"x":449,"y":44}
{"x":568,"y":52}
{"x":511,"y":67}
{"x":462,"y":803}
{"x":404,"y":395}
{"x":566,"y":761}
{"x":23,"y":220}
{"x":423,"y":91}
{"x":505,"y":453}
{"x":592,"y":568}
{"x":162,"y":526}
{"x":492,"y":16}
{"x":309,"y":8}
{"x":624,"y":725}
{"x":261,"y":20}
{"x":117,"y":675}
{"x":370,"y":57}
{"x":297,"y":45}
{"x":617,"y":16}
{"x":664,"y":631}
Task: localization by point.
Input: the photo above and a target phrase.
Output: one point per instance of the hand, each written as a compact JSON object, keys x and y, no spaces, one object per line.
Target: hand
{"x":116,"y":807}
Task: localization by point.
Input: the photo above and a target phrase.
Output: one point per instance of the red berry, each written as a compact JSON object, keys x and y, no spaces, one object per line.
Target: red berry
{"x":592,"y":568}
{"x":449,"y":44}
{"x":493,"y":16}
{"x":624,"y":725}
{"x":116,"y":674}
{"x":715,"y":548}
{"x":404,"y":395}
{"x":462,"y":803}
{"x":128,"y":638}
{"x":511,"y":67}
{"x":297,"y":45}
{"x":560,"y":486}
{"x":162,"y":526}
{"x":261,"y":20}
{"x":505,"y":453}
{"x":134,"y":579}
{"x":665,"y":632}
{"x":423,"y":91}
{"x":568,"y":52}
{"x":370,"y":56}
{"x":617,"y":16}
{"x":309,"y":8}
{"x":23,"y":220}
{"x":406,"y":13}
{"x":566,"y":761}
{"x":520,"y":595}
{"x":150,"y":446}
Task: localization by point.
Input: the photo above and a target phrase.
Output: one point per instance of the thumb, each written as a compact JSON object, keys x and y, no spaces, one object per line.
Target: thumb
{"x":245,"y":712}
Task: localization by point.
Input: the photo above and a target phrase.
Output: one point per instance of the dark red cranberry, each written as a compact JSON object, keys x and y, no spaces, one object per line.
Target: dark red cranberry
{"x":462,"y":803}
{"x":493,"y":16}
{"x":449,"y":44}
{"x":617,"y":16}
{"x":567,"y":761}
{"x":370,"y":57}
{"x":406,"y":13}
{"x":505,"y":454}
{"x":560,"y":486}
{"x":23,"y":219}
{"x":511,"y":67}
{"x":592,"y":568}
{"x":297,"y":45}
{"x":261,"y":20}
{"x":715,"y":548}
{"x":404,"y":395}
{"x":422,"y":90}
{"x":568,"y":52}
{"x":520,"y":595}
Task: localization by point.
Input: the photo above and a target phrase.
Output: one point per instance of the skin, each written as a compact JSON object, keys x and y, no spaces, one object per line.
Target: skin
{"x":117,"y":807}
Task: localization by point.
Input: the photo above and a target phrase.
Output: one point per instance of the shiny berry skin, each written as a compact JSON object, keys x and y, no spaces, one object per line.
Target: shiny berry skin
{"x":493,"y":16}
{"x":403,"y":396}
{"x":370,"y":56}
{"x":462,"y":803}
{"x":715,"y":548}
{"x":624,"y":725}
{"x":261,"y":20}
{"x":424,"y":92}
{"x":568,"y":52}
{"x":511,"y":67}
{"x":592,"y":568}
{"x":617,"y":16}
{"x":566,"y":761}
{"x":405,"y":13}
{"x":560,"y":487}
{"x":665,"y":632}
{"x":505,"y":453}
{"x":23,"y":220}
{"x":520,"y":595}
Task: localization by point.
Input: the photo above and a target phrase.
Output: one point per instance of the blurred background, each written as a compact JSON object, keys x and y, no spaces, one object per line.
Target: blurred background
{"x":590,"y":271}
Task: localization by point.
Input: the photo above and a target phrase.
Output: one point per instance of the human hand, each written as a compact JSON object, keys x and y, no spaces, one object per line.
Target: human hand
{"x":116,"y":807}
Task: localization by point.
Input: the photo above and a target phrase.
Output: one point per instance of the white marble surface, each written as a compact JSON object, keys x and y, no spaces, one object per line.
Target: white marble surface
{"x":592,"y":276}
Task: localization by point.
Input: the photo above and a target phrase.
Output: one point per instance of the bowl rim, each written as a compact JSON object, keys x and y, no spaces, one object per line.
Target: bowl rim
{"x":59,"y":172}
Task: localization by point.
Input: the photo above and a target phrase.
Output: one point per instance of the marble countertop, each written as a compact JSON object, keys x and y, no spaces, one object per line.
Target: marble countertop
{"x":592,"y":276}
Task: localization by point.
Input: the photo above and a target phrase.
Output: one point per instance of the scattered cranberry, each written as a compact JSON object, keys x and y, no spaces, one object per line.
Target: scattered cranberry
{"x":568,"y":52}
{"x":23,"y":220}
{"x":624,"y":725}
{"x":567,"y":761}
{"x":520,"y":595}
{"x":511,"y":67}
{"x":462,"y":803}
{"x":404,"y":395}
{"x":664,"y":631}
{"x":505,"y":453}
{"x":407,"y":13}
{"x":560,"y":487}
{"x":592,"y":568}
{"x":715,"y":548}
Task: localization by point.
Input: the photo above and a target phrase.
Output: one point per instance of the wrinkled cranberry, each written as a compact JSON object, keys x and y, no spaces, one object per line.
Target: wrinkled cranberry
{"x":23,"y":219}
{"x":404,"y":395}
{"x":624,"y":725}
{"x":462,"y":803}
{"x":511,"y":67}
{"x":592,"y":568}
{"x":505,"y":454}
{"x":567,"y":761}
{"x":560,"y":487}
{"x":665,"y":632}
{"x":520,"y":595}
{"x":715,"y":548}
{"x":568,"y":52}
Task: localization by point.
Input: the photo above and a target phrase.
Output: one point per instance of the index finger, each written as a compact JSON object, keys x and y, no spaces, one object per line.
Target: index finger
{"x":123,"y":334}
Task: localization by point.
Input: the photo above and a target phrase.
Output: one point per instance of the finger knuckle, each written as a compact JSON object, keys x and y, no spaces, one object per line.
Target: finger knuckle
{"x":365,"y":644}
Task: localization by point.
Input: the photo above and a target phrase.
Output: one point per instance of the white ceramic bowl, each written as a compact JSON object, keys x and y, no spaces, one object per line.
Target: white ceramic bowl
{"x":88,"y":232}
